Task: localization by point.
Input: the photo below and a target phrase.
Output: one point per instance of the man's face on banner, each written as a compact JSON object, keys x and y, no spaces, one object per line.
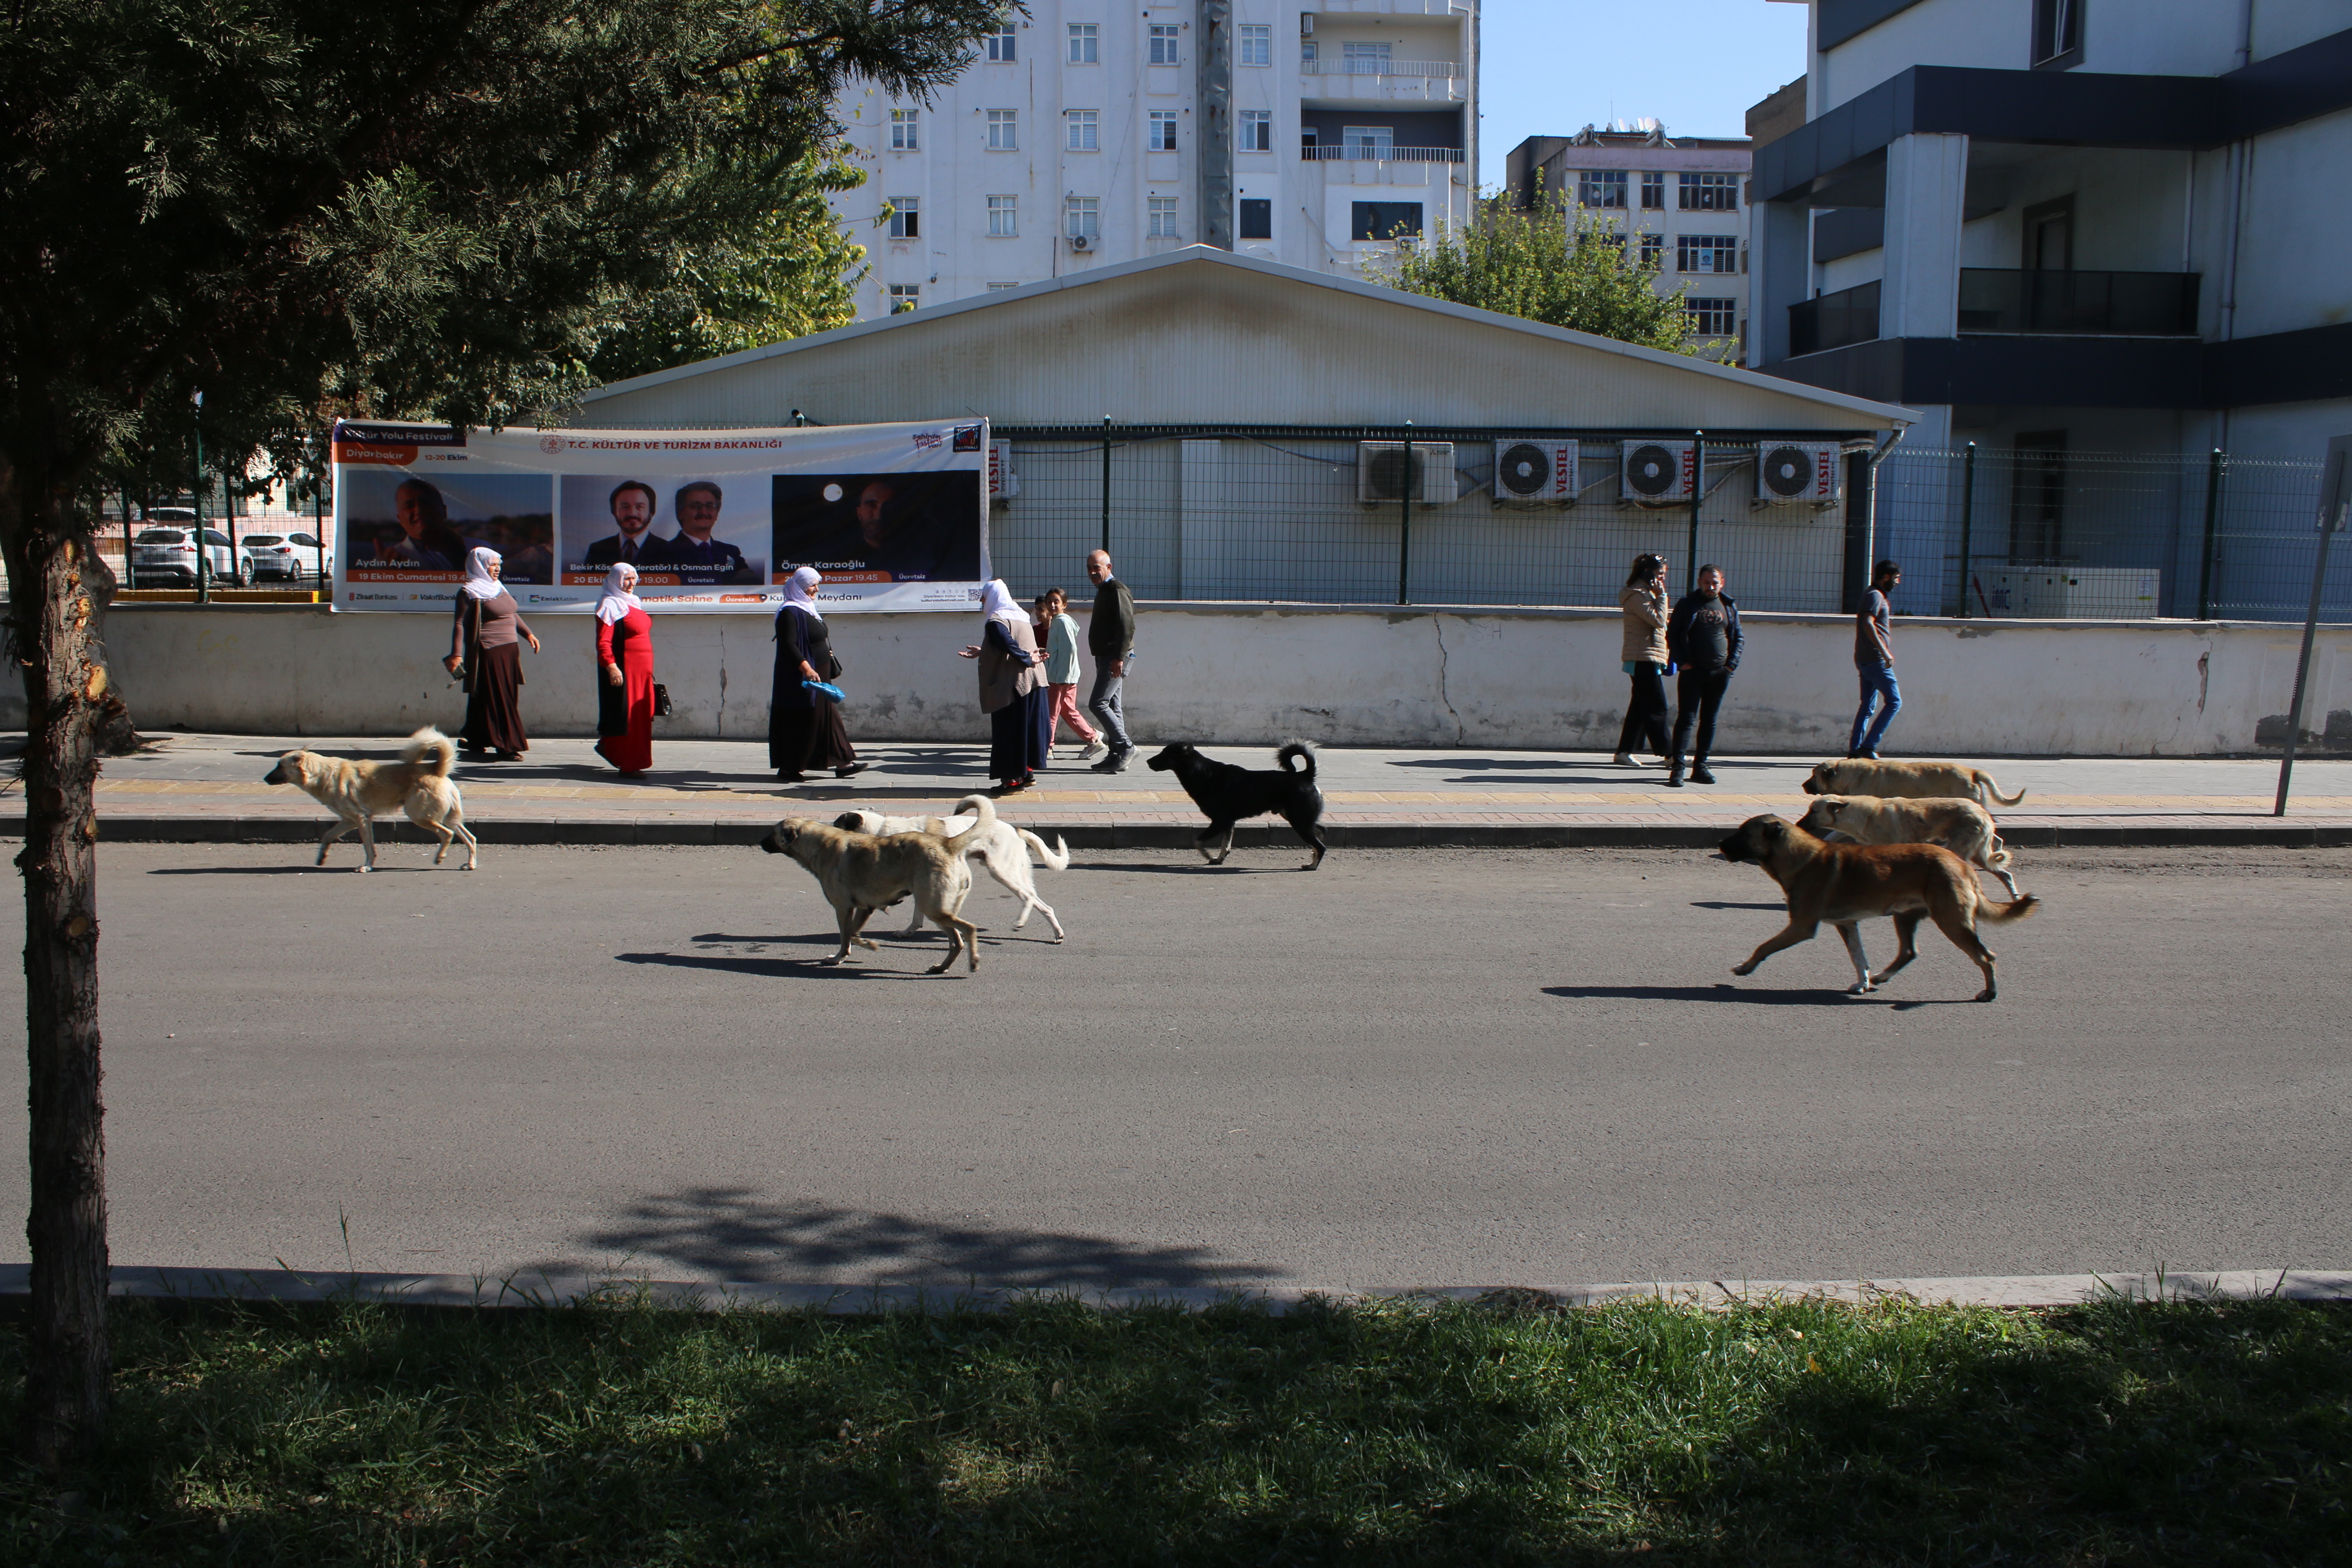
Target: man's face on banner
{"x":698,"y":513}
{"x":418,"y":509}
{"x":633,"y":513}
{"x":870,"y":503}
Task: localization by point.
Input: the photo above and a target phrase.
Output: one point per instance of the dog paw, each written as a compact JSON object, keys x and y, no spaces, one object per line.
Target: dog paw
{"x":1743,"y":969}
{"x":1859,"y":988}
{"x":1986,"y":994}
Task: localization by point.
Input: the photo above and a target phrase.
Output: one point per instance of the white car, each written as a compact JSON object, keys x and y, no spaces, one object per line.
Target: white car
{"x":165,"y":556}
{"x":292,"y":556}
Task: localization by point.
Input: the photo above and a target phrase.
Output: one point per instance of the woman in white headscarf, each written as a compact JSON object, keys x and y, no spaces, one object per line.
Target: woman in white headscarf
{"x":1011,"y":691}
{"x":805,"y":725}
{"x":624,"y":666}
{"x":483,"y":649}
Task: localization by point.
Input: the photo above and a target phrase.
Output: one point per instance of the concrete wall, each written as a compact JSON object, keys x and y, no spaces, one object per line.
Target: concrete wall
{"x":1243,"y":674}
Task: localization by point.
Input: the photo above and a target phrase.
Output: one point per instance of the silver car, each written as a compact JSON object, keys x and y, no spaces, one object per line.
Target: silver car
{"x":165,"y":557}
{"x":290,"y":556}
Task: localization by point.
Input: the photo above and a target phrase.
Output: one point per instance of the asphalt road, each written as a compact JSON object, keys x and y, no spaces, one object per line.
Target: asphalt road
{"x":1413,"y":1068}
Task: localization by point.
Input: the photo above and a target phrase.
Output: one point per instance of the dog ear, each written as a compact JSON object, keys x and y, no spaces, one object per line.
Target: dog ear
{"x":1833,"y":806}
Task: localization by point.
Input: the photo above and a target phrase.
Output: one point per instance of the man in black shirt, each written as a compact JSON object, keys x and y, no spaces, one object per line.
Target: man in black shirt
{"x":1110,"y":637}
{"x":1703,"y":638}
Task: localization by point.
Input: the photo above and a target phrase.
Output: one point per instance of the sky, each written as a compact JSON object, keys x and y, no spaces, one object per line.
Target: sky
{"x":1548,"y":67}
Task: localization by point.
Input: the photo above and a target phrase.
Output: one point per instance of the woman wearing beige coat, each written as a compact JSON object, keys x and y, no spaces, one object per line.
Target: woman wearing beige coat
{"x":1012,"y":691}
{"x":1643,"y":602}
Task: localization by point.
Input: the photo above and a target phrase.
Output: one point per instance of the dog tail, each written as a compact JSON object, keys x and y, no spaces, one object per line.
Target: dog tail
{"x":1297,"y":751}
{"x":1057,"y":859}
{"x":974,"y":837}
{"x":2017,"y":909}
{"x":1993,"y":790}
{"x":430,"y":742}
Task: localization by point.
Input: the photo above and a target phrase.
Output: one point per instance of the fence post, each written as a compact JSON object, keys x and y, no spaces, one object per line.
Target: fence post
{"x":1405,"y":523}
{"x":1698,"y":497}
{"x":128,"y":581}
{"x":2332,"y":507}
{"x":2212,"y":534}
{"x":1968,"y":515}
{"x":204,"y":549}
{"x":1105,"y":486}
{"x":319,"y":529}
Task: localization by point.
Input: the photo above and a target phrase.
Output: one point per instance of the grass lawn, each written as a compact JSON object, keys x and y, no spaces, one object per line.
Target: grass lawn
{"x":1795,"y":1432}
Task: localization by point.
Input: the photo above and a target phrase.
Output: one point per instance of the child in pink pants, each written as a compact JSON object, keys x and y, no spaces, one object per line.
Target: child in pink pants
{"x":1059,"y":636}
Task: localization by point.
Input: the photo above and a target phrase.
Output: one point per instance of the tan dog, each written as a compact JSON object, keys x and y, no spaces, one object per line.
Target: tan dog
{"x":1962,"y":827}
{"x":1006,"y":856}
{"x":358,"y":792}
{"x":1860,"y":775}
{"x":862,"y":872}
{"x":1846,"y":883}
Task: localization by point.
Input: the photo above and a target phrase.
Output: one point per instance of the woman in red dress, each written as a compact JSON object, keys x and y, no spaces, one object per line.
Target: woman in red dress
{"x":625,"y":654}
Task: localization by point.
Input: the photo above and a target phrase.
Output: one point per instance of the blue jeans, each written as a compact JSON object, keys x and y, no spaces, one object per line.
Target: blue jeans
{"x":1877,"y":684}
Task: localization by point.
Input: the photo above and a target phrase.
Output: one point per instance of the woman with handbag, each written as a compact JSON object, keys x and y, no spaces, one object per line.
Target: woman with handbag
{"x":625,"y":657}
{"x":1011,"y":691}
{"x":1642,"y":602}
{"x":804,"y":724}
{"x":484,"y":651}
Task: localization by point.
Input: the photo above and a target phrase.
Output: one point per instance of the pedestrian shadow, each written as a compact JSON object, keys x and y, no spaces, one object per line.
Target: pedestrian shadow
{"x":738,"y":1234}
{"x":1811,"y":996}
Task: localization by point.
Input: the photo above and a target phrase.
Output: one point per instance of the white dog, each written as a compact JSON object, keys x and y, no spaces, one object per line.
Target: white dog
{"x":1962,"y":827}
{"x":1004,"y":851}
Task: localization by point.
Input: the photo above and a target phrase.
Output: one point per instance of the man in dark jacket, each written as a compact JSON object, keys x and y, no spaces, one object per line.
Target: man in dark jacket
{"x":1110,"y":637}
{"x":1703,"y":638}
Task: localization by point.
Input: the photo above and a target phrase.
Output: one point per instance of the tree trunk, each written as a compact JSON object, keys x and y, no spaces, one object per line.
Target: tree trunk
{"x":67,"y":1363}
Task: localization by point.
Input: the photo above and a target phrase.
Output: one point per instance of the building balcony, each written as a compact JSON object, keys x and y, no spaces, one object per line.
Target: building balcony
{"x":1834,"y":321}
{"x":1384,"y":81}
{"x":2102,"y":304}
{"x":1366,"y":153}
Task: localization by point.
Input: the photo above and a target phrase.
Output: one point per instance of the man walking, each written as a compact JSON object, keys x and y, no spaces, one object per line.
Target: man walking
{"x":1703,"y":637}
{"x":1873,"y":659}
{"x":1110,"y":637}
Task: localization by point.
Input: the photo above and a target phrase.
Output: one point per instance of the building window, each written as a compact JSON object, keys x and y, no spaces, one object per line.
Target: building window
{"x":1004,"y":130}
{"x":1085,"y":42}
{"x":906,"y":221}
{"x":905,"y":296}
{"x":1708,"y":192}
{"x":1306,"y":51}
{"x":1257,"y":131}
{"x":1384,"y":220}
{"x":1601,"y":188}
{"x":1082,"y":216}
{"x":1164,"y":43}
{"x":1256,"y":45}
{"x":1000,"y":42}
{"x":1364,"y":59}
{"x":1002,"y":288}
{"x":1257,"y":218}
{"x":1613,"y":238}
{"x":1654,"y":251}
{"x":1160,"y":135}
{"x":1367,"y":141}
{"x":902,"y":130}
{"x":1653,"y":191}
{"x":1310,"y":142}
{"x":1002,"y":212}
{"x":2057,"y":34}
{"x":1083,"y":131}
{"x":1707,"y":253}
{"x":1163,"y":217}
{"x":1713,"y":317}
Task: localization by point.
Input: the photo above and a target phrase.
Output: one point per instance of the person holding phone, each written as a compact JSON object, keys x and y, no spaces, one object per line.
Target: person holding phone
{"x":1642,"y":601}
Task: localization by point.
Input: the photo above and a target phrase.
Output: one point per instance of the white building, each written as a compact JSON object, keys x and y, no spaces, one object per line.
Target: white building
{"x":1307,"y":131}
{"x":1678,"y":201}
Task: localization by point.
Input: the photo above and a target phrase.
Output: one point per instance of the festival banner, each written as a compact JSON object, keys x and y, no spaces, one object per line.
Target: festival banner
{"x":895,"y":516}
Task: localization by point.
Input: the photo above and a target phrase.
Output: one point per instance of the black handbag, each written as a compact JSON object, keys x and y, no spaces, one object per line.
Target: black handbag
{"x":661,"y":701}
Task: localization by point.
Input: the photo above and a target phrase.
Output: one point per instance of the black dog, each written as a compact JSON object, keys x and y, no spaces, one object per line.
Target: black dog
{"x":1226,"y":794}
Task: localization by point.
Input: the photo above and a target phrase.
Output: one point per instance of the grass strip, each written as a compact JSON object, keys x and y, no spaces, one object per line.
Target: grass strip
{"x":618,"y":1432}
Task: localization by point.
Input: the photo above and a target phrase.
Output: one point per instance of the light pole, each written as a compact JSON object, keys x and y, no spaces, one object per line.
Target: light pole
{"x":203,"y":550}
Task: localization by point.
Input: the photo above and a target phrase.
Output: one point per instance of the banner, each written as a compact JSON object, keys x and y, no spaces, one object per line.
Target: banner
{"x":895,"y":516}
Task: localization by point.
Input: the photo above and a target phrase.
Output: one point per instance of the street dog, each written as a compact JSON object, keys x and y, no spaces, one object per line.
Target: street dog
{"x":1846,"y":883}
{"x":360,"y":792}
{"x":1006,"y":856}
{"x":1915,"y":781}
{"x":861,"y":873}
{"x":1962,"y":827}
{"x":1226,"y":794}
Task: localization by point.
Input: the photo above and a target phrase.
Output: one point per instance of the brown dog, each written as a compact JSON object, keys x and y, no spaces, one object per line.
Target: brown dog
{"x":1962,"y":827}
{"x":1847,"y":883}
{"x":358,"y":792}
{"x":1862,"y":775}
{"x":862,"y":872}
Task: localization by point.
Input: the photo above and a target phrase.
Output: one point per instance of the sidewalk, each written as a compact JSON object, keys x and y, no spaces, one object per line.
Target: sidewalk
{"x":208,"y":788}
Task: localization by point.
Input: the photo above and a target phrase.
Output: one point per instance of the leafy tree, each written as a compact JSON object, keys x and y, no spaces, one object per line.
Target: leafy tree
{"x":423,"y":208}
{"x":1548,"y":262}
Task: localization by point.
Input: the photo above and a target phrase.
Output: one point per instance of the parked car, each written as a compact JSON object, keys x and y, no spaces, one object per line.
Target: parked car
{"x":166,"y":557}
{"x":290,"y":556}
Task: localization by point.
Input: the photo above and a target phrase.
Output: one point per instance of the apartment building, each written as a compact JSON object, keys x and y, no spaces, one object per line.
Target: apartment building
{"x":1086,"y":133}
{"x":1679,"y":201}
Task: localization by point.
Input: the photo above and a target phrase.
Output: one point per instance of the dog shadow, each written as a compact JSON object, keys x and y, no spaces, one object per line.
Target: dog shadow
{"x":1723,"y":991}
{"x":1722,"y":904}
{"x":768,"y":968}
{"x":1201,"y":868}
{"x":329,"y":868}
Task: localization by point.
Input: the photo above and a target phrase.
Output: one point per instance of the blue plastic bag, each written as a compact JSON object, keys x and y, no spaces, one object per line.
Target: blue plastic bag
{"x":826,"y":689}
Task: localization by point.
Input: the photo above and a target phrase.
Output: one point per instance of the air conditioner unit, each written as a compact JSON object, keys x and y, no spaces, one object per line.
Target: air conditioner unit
{"x":1388,"y":471}
{"x":1003,"y":484}
{"x":1082,"y":242}
{"x":1657,"y":471}
{"x":1307,"y":24}
{"x":1534,"y":473}
{"x":1789,"y":471}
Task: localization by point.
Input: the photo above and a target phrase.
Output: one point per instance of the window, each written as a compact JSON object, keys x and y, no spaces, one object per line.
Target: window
{"x":905,"y":296}
{"x":1004,"y":130}
{"x":1002,"y":212}
{"x":2057,"y":34}
{"x":1707,"y":253}
{"x":1163,"y":217}
{"x":1713,"y":317}
{"x":1164,"y":43}
{"x":1364,"y":59}
{"x":1085,"y":41}
{"x":906,"y":221}
{"x":1257,"y":131}
{"x":902,"y":130}
{"x":1255,"y":44}
{"x":1653,"y":191}
{"x":1083,"y":130}
{"x":1367,"y":141}
{"x":1000,"y":42}
{"x":1600,"y":188}
{"x":1082,"y":216}
{"x":1613,"y":238}
{"x":1002,"y":288}
{"x":1384,"y":220}
{"x":1309,"y":142}
{"x":1709,"y":193}
{"x":1654,"y":251}
{"x":1160,"y":135}
{"x":1306,"y":51}
{"x":1257,"y":218}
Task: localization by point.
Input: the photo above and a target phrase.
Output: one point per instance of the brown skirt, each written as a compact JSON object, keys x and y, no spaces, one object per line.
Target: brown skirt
{"x":802,"y":739}
{"x":494,"y":708}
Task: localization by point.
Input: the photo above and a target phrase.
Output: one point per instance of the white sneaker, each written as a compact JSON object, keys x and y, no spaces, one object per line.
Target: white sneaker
{"x":1095,"y":748}
{"x":1625,"y":760}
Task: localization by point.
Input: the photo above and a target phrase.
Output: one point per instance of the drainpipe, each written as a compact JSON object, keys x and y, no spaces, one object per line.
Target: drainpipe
{"x":1213,"y":133}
